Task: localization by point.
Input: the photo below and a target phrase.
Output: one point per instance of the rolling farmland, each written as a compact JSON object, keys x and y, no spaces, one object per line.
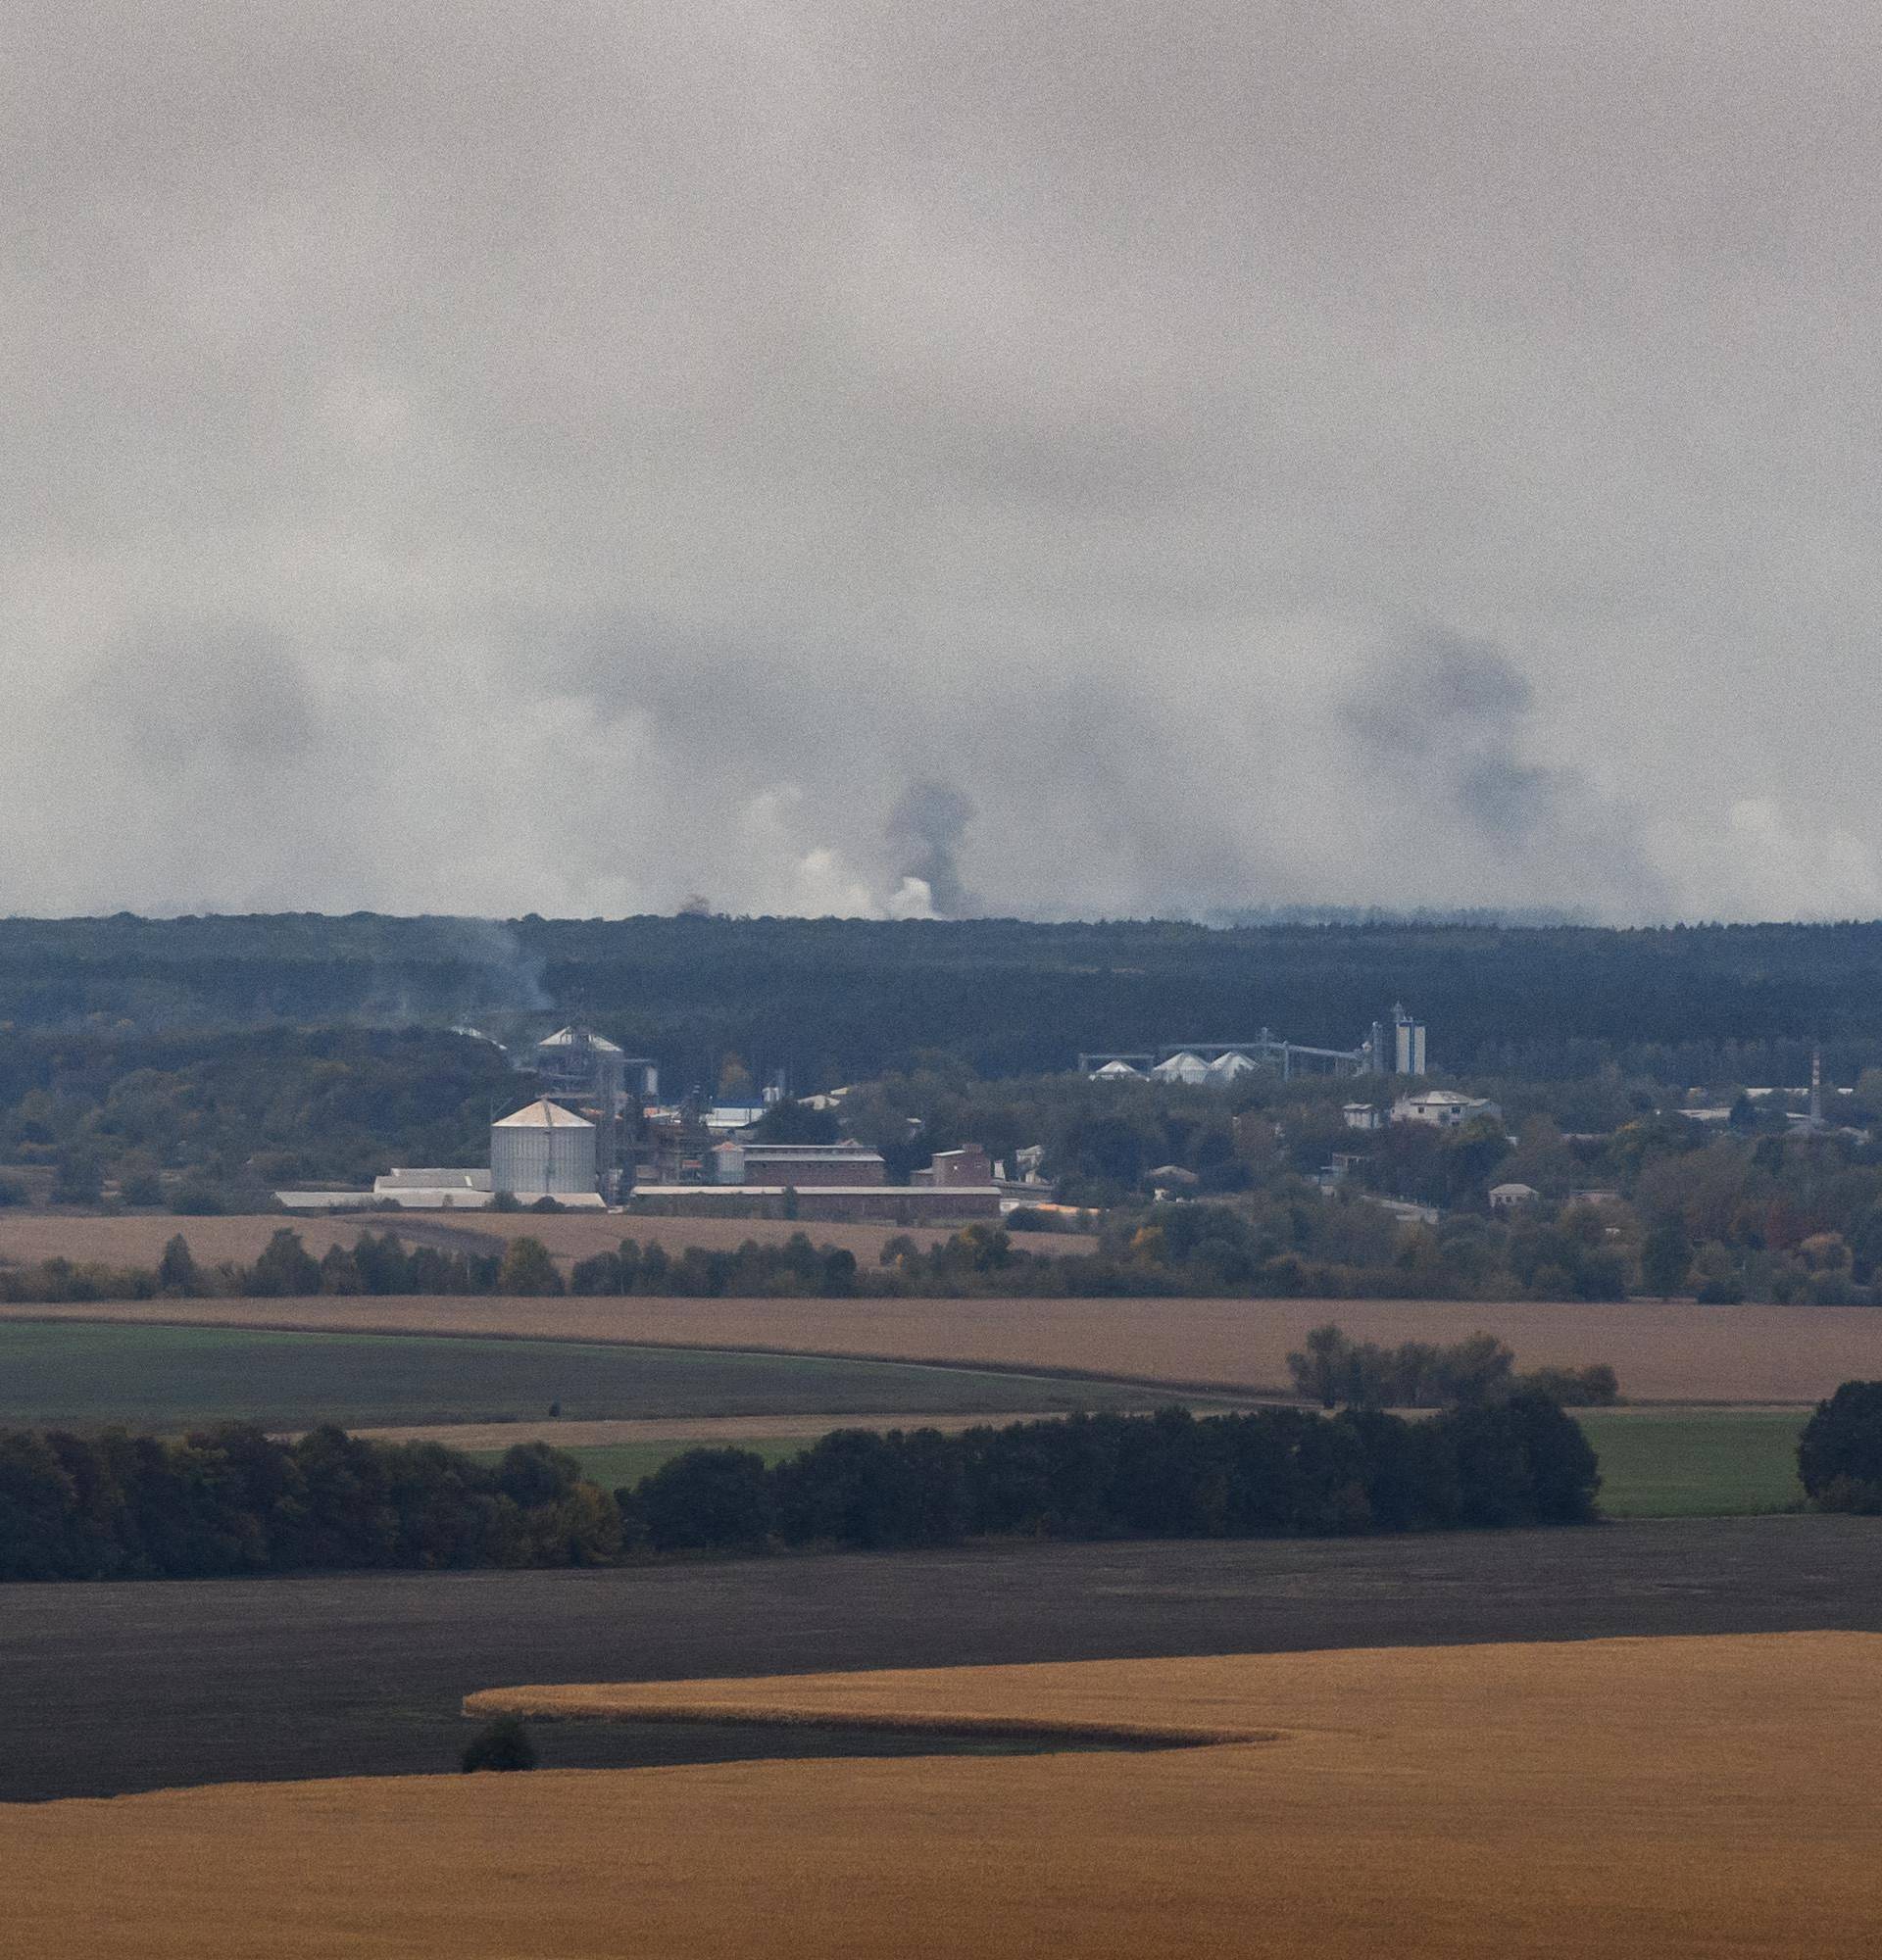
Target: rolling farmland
{"x":1495,"y":1801}
{"x":362,"y":1674}
{"x":1701,"y":1354}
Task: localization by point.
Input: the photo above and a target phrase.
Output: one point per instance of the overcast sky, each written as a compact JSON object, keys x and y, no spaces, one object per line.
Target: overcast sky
{"x":1071,"y":459}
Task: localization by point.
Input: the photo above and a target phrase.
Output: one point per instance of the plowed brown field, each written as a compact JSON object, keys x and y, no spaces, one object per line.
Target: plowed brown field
{"x":1760,"y":1355}
{"x":139,"y":1241}
{"x":1680,"y":1798}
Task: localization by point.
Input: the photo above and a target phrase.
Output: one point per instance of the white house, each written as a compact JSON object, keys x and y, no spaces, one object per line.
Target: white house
{"x":1511,"y":1197}
{"x":1361,"y":1116}
{"x":1442,"y":1109}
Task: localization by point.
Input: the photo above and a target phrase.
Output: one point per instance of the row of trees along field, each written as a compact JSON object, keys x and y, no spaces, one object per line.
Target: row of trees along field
{"x":233,"y":1501}
{"x":1177,"y":1251}
{"x":1296,"y":1246}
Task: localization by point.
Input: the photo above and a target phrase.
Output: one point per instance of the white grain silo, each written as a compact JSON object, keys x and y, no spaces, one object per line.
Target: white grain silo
{"x":542,"y":1150}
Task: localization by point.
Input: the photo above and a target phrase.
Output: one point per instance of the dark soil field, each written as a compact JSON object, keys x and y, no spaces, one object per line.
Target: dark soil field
{"x":108,"y":1688}
{"x":71,"y":1375}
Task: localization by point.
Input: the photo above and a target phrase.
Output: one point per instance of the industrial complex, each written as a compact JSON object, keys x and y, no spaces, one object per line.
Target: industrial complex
{"x":1394,"y":1046}
{"x":596,"y":1135}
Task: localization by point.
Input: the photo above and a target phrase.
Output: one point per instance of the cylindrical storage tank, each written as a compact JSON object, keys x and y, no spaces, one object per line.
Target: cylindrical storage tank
{"x":542,"y":1150}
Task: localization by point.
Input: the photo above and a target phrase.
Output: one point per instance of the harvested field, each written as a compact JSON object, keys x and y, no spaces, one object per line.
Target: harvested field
{"x":685,"y":1432}
{"x":139,"y":1241}
{"x":1642,"y":1797}
{"x":1714,"y":1354}
{"x":363,"y":1674}
{"x":169,"y":1378}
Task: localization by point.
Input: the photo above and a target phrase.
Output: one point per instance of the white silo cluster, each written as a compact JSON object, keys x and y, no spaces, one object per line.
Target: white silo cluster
{"x":542,"y":1150}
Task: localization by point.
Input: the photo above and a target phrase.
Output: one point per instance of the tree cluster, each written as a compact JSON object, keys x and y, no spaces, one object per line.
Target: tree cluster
{"x":1338,"y":1372}
{"x":231,"y":1500}
{"x":1838,"y":1456}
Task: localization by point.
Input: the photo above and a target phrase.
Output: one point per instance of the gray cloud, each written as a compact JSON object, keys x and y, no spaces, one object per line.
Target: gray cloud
{"x":443,"y":448}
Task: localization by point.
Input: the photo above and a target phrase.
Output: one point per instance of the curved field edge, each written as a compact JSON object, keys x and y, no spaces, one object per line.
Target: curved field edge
{"x":1663,"y":1353}
{"x":1203,"y":1699}
{"x":613,"y":1704}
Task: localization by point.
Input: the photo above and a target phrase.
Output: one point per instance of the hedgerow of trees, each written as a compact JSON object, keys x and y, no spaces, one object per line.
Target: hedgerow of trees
{"x":1195,"y":1249}
{"x":231,"y":1500}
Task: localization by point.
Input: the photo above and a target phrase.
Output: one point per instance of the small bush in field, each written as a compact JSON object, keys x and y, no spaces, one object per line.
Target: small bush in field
{"x":504,"y":1746}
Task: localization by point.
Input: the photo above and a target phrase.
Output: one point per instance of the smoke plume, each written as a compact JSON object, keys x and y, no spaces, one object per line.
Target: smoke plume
{"x":925,"y":829}
{"x":1444,"y":724}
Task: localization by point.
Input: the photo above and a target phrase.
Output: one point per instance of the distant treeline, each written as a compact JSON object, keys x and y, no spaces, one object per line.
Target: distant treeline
{"x":229,"y":1501}
{"x":285,"y":1269}
{"x":839,"y":1000}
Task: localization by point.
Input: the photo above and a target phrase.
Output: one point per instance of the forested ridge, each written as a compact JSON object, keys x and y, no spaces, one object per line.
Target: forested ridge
{"x":832,"y":1000}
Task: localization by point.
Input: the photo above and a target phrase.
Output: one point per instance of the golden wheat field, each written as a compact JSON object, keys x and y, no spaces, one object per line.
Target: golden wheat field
{"x":1676,"y":1798}
{"x":139,"y":1239}
{"x":1726,"y":1354}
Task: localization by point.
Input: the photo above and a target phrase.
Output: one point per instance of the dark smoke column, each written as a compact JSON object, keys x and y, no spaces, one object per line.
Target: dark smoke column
{"x":926,"y":827}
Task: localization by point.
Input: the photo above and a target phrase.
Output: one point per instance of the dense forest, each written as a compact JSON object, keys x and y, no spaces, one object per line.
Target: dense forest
{"x":833,"y":1000}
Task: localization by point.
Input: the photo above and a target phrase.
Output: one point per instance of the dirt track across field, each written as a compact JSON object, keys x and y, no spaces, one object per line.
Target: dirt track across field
{"x":1790,"y":1356}
{"x":1658,"y":1798}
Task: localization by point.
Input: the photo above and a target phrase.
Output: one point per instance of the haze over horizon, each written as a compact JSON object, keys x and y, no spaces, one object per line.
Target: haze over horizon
{"x":1073,"y":462}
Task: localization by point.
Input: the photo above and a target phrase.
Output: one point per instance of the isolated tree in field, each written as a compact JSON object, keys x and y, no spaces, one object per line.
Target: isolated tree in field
{"x":177,"y":1270}
{"x":1666,"y":1256}
{"x":527,"y":1269}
